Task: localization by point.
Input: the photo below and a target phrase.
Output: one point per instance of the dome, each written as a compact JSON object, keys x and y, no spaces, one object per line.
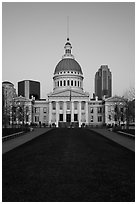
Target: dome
{"x":7,"y":82}
{"x":68,"y":64}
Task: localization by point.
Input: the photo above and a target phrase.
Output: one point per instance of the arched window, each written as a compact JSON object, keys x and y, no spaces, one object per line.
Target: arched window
{"x":71,"y":82}
{"x":64,"y":83}
{"x":75,"y":83}
{"x":60,"y":83}
{"x":78,"y":83}
{"x":68,"y":82}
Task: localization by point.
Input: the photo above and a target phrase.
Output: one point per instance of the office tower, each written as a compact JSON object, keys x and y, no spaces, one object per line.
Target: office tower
{"x":103,"y":82}
{"x":28,"y":88}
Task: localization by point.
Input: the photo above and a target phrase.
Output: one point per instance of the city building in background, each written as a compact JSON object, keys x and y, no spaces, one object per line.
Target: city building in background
{"x":8,"y":93}
{"x":103,"y":82}
{"x":29,"y":88}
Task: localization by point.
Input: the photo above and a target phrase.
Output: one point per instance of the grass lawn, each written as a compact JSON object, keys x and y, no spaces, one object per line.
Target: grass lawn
{"x":69,"y":165}
{"x":9,"y":131}
{"x":130,"y":131}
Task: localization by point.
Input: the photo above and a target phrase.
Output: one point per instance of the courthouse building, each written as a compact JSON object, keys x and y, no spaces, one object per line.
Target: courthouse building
{"x":68,"y":104}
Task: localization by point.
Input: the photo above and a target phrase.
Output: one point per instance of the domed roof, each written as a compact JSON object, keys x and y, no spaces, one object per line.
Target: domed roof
{"x":7,"y":82}
{"x":68,"y":64}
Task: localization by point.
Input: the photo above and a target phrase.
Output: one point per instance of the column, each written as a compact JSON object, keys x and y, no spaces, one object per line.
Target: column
{"x":57,"y":114}
{"x":79,"y":114}
{"x":50,"y":112}
{"x":64,"y":111}
{"x":86,"y":112}
{"x":72,"y":111}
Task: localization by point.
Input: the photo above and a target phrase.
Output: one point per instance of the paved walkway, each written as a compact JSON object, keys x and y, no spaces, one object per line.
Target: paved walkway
{"x":127,"y":142}
{"x":69,"y":165}
{"x":13,"y":143}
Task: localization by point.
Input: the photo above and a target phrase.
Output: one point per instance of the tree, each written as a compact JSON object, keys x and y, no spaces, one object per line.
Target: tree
{"x":129,"y":97}
{"x":129,"y":94}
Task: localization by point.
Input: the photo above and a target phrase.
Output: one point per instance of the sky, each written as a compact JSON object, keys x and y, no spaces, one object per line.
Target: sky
{"x":34,"y":35}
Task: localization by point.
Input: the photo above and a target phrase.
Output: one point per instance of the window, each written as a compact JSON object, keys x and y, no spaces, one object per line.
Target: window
{"x":75,"y":117}
{"x":37,"y":109}
{"x":99,"y":109}
{"x":99,"y":118}
{"x":78,"y":83}
{"x":44,"y":118}
{"x":68,"y":82}
{"x":83,"y":105}
{"x":91,"y":118}
{"x":75,"y":105}
{"x":36,"y":118}
{"x":61,"y":105}
{"x":44,"y":110}
{"x":27,"y":118}
{"x":68,"y":51}
{"x":75,"y":83}
{"x":64,"y":83}
{"x":71,"y":72}
{"x":91,"y":110}
{"x":60,"y":117}
{"x":68,"y":105}
{"x":121,"y":110}
{"x":71,"y":83}
{"x":60,"y":83}
{"x":54,"y":105}
{"x":109,"y":117}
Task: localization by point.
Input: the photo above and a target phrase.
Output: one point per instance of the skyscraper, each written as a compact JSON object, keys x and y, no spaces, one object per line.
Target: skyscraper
{"x":28,"y":88}
{"x":103,"y":82}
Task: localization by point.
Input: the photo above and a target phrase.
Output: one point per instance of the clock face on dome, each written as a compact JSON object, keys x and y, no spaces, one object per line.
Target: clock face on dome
{"x":68,"y":64}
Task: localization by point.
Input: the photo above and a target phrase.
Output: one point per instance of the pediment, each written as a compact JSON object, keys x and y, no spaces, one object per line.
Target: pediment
{"x":20,"y":98}
{"x":68,"y":93}
{"x":115,"y":99}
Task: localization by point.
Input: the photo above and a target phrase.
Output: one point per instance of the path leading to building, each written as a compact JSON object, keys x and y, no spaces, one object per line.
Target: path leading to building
{"x":124,"y":141}
{"x":13,"y":143}
{"x":69,"y":165}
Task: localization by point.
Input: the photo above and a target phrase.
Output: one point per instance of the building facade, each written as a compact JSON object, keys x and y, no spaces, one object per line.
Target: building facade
{"x":115,"y":111}
{"x":8,"y":93}
{"x":29,"y":88}
{"x":68,"y":105}
{"x":103,"y":82}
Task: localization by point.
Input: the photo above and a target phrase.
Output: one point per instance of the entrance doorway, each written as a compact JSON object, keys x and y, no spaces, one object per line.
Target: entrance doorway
{"x":68,"y":118}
